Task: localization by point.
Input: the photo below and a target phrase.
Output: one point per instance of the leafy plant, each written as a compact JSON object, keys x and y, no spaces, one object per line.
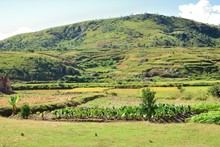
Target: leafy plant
{"x":210,"y":117}
{"x":122,"y":113}
{"x":13,"y":101}
{"x":215,"y":90}
{"x":25,"y":110}
{"x":148,"y":102}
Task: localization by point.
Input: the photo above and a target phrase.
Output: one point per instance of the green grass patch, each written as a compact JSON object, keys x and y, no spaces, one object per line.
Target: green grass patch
{"x":41,"y":133}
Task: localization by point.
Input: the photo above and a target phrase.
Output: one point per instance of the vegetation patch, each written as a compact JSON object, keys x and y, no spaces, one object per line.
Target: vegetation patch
{"x":162,"y":113}
{"x":211,"y":117}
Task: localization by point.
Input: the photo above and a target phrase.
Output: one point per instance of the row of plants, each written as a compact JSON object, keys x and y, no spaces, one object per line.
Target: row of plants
{"x":205,"y":107}
{"x":208,"y":113}
{"x":211,"y":117}
{"x":146,"y":111}
{"x":122,"y":113}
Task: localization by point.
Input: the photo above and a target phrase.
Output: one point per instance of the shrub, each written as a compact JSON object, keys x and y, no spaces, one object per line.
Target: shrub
{"x":215,"y":90}
{"x":25,"y":110}
{"x":180,"y":88}
{"x":210,"y":117}
{"x":148,"y":102}
{"x":113,"y":94}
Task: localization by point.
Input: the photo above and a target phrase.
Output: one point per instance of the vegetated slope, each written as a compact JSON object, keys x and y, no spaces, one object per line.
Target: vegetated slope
{"x":132,"y":48}
{"x":143,"y":30}
{"x":111,"y":65}
{"x":33,"y":66}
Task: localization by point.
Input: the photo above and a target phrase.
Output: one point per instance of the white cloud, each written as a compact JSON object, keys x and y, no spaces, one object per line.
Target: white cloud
{"x":216,"y":8}
{"x":18,"y":31}
{"x":203,"y":11}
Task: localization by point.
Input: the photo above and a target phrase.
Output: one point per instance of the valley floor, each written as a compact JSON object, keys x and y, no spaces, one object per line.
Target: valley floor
{"x":43,"y":133}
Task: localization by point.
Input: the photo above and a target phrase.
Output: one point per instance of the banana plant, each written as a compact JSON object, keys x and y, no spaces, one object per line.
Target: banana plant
{"x":13,"y":101}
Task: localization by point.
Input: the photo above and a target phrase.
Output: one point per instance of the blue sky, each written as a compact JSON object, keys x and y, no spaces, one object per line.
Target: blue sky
{"x":18,"y":16}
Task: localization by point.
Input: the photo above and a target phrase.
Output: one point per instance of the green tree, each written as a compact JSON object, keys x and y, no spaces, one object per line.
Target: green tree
{"x":25,"y":110}
{"x":148,"y":102}
{"x":13,"y":101}
{"x":215,"y":90}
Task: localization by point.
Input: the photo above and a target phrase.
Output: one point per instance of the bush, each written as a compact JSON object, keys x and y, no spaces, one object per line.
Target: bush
{"x":210,"y":117}
{"x":25,"y":110}
{"x":148,"y":101}
{"x":215,"y":90}
{"x":181,"y":89}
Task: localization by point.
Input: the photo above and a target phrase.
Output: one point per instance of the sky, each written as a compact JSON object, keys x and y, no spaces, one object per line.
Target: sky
{"x":21,"y":16}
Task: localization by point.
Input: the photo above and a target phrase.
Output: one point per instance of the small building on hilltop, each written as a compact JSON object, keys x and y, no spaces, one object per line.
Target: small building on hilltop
{"x":5,"y":85}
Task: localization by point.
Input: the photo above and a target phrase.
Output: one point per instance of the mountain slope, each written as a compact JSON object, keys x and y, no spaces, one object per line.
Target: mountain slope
{"x":143,"y":30}
{"x":132,"y":48}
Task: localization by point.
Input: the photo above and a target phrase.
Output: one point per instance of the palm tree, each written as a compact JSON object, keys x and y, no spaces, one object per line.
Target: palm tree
{"x":13,"y":101}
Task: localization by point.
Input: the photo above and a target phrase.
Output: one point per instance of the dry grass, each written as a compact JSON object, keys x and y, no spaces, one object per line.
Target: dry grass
{"x":41,"y":96}
{"x":98,"y":89}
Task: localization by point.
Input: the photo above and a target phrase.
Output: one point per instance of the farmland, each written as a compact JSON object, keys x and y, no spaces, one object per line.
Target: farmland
{"x":99,"y":104}
{"x":140,"y":80}
{"x":164,"y":94}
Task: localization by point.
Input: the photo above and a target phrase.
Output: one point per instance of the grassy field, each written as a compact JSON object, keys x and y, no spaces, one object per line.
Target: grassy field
{"x":40,"y":133}
{"x":46,"y":133}
{"x":113,"y":97}
{"x":168,"y":92}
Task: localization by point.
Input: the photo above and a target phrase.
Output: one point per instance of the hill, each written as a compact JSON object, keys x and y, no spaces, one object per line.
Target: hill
{"x":143,"y":30}
{"x":133,"y":48}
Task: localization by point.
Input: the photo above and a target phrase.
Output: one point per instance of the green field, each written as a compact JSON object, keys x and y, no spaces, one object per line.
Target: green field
{"x":41,"y":133}
{"x":114,"y":97}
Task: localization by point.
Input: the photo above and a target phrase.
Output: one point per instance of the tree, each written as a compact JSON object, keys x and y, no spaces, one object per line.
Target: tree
{"x":215,"y":90}
{"x":25,"y":110}
{"x":148,"y":102}
{"x":13,"y":101}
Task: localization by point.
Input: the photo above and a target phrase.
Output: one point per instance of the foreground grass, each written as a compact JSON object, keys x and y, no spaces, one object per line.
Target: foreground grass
{"x":40,"y":133}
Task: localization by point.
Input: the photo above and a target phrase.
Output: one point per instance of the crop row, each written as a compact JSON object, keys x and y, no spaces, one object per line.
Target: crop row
{"x":122,"y":113}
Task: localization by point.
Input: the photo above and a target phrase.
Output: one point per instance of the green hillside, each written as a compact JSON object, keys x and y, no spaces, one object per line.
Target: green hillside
{"x":109,"y":65}
{"x":132,"y":48}
{"x":34,"y":66}
{"x":144,"y":30}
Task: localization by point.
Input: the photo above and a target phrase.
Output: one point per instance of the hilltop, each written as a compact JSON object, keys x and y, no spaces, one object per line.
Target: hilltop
{"x":133,"y":48}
